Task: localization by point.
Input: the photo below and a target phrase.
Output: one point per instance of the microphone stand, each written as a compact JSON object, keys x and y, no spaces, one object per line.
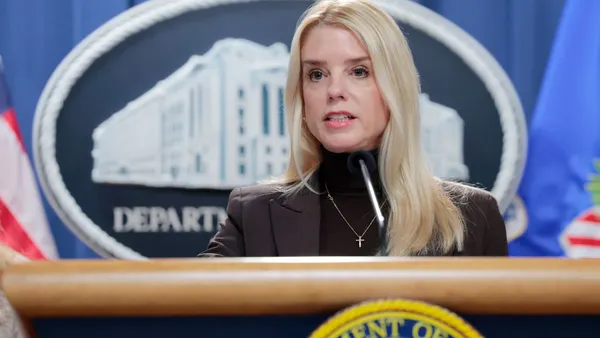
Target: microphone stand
{"x":376,"y":207}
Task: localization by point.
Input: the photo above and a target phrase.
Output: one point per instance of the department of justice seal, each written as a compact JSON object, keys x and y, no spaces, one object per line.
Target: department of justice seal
{"x":146,"y":126}
{"x":395,"y":318}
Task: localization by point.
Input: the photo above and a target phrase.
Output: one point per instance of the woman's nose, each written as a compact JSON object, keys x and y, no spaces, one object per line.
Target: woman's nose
{"x":337,"y":89}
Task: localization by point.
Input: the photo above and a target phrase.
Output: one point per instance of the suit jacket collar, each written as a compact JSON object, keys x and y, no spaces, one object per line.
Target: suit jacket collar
{"x":296,"y":222}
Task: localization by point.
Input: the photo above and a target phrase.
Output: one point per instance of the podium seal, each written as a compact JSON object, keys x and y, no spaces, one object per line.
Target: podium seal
{"x":395,"y":318}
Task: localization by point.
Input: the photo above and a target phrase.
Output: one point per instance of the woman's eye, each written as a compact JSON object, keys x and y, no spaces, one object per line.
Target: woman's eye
{"x":360,"y":72}
{"x":315,"y":75}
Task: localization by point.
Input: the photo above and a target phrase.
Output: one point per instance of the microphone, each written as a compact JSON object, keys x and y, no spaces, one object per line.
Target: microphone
{"x":363,"y":163}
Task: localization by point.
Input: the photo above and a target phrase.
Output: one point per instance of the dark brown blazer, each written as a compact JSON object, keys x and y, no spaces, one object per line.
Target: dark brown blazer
{"x":263,"y":223}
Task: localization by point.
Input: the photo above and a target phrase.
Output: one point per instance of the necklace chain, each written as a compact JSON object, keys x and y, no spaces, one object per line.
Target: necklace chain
{"x":360,"y":237}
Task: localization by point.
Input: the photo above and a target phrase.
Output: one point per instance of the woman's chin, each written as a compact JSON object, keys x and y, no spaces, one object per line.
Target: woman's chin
{"x":339,"y":146}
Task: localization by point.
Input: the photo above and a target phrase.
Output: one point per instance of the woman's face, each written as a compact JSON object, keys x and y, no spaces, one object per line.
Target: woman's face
{"x":343,"y":107}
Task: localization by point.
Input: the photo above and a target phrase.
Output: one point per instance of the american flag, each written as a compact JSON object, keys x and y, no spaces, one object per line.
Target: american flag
{"x":23,"y":223}
{"x":581,"y":238}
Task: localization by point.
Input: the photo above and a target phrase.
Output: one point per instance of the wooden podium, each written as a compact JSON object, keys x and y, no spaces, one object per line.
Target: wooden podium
{"x":291,"y":297}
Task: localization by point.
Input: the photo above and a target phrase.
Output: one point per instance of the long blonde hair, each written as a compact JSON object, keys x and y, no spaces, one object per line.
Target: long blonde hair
{"x":424,"y":217}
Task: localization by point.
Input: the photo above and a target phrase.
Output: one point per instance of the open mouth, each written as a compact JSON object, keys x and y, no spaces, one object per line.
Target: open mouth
{"x":339,"y":117}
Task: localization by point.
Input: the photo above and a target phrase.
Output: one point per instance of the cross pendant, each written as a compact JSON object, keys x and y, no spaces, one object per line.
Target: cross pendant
{"x":360,"y":240}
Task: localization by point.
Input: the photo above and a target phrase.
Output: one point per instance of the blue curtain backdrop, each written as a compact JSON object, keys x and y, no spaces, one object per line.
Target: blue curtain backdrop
{"x":564,"y":142}
{"x":36,"y":34}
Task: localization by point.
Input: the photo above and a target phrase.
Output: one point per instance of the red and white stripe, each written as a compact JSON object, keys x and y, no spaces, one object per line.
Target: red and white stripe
{"x":23,"y":223}
{"x":581,"y":238}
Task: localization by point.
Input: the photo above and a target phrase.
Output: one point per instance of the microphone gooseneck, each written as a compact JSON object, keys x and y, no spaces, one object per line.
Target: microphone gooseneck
{"x":363,"y":163}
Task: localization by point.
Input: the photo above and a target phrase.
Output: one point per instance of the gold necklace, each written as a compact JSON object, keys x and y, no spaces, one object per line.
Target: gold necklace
{"x":360,"y":238}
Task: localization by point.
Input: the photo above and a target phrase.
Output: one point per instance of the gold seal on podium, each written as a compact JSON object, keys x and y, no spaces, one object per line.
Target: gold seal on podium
{"x":395,"y":318}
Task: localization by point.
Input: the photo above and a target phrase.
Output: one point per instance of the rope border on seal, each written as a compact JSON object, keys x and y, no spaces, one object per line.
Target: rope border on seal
{"x":146,"y":14}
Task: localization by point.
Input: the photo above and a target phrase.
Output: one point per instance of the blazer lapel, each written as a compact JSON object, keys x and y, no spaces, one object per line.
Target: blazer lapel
{"x":296,"y":224}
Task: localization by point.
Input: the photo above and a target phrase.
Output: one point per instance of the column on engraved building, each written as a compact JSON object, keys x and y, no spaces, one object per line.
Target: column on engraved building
{"x":273,"y":139}
{"x":204,"y":124}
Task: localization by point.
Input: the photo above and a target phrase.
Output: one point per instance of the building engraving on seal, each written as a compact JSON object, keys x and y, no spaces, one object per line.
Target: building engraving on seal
{"x":218,"y":122}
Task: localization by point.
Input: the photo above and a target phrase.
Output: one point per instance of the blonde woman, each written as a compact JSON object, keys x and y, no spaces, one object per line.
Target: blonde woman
{"x":352,"y":85}
{"x":10,"y":325}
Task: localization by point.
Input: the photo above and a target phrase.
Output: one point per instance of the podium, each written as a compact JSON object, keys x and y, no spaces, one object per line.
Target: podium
{"x":292,"y":297}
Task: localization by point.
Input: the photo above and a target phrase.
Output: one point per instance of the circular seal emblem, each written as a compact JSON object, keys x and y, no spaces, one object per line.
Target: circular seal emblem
{"x":395,"y":318}
{"x":515,"y":218}
{"x":146,"y":126}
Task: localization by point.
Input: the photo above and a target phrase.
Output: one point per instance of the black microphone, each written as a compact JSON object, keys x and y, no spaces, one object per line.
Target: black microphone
{"x":363,"y":163}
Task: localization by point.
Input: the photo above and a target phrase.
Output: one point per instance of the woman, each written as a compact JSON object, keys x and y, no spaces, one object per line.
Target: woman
{"x":352,"y":85}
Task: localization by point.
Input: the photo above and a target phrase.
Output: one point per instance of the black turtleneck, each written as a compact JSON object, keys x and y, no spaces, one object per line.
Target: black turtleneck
{"x":350,"y":195}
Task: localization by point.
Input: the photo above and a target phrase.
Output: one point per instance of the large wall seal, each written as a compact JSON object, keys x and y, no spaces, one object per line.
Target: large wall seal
{"x":146,"y":126}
